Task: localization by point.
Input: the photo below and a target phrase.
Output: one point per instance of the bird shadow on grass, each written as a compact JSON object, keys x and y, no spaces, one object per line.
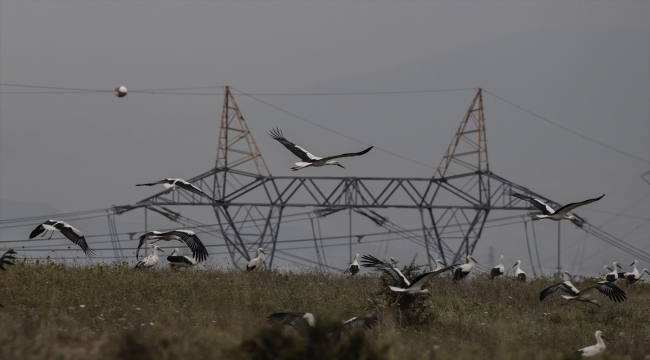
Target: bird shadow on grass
{"x":327,"y":340}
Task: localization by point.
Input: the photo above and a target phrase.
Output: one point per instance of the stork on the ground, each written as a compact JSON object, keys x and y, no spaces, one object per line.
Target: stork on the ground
{"x":594,"y":350}
{"x":188,"y":237}
{"x":307,"y":158}
{"x":439,"y":265}
{"x":498,"y":270}
{"x":298,"y":319}
{"x":520,"y":274}
{"x":464,"y":269}
{"x":178,"y":261}
{"x":633,"y":278}
{"x":614,"y":275}
{"x":150,"y":260}
{"x":69,"y":231}
{"x":549,"y":213}
{"x":171,"y":184}
{"x":354,"y":267}
{"x":258,"y":261}
{"x":612,"y":291}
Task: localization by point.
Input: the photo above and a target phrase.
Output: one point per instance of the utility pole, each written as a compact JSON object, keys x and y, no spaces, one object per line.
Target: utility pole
{"x":559,"y":269}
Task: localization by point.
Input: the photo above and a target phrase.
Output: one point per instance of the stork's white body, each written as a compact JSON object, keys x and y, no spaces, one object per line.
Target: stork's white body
{"x":177,"y":261}
{"x":498,"y":270}
{"x":520,"y":274}
{"x":354,"y":267}
{"x":465,"y":269}
{"x":594,"y":350}
{"x":613,"y":275}
{"x":151,"y":260}
{"x":257,"y":262}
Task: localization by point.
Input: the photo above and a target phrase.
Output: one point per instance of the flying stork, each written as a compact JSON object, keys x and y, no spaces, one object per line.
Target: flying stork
{"x":464,"y":269}
{"x":172,"y":184}
{"x":612,"y":291}
{"x":297,"y":320}
{"x":404,"y":287}
{"x":594,"y":350}
{"x":67,"y":230}
{"x":150,"y":260}
{"x":498,"y":270}
{"x":177,"y":261}
{"x":549,"y":213}
{"x":258,"y":261}
{"x":354,"y":267}
{"x":199,"y":252}
{"x":307,"y":158}
{"x":520,"y":274}
{"x":7,"y":258}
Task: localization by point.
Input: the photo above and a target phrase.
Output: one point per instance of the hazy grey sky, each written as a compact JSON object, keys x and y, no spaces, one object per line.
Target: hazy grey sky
{"x":582,"y":64}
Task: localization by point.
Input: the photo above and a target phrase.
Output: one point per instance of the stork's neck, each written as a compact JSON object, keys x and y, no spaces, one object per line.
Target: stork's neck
{"x":174,"y":252}
{"x":501,"y":261}
{"x":599,"y":340}
{"x":635,"y":270}
{"x":518,"y":266}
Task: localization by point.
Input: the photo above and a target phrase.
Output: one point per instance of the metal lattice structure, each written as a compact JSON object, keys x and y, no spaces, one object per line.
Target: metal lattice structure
{"x":452,"y":208}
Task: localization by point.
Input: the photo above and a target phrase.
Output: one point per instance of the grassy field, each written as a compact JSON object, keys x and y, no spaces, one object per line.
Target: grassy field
{"x":114,"y":312}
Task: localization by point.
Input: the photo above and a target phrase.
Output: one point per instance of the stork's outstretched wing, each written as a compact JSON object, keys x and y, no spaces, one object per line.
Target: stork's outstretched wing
{"x":303,"y":154}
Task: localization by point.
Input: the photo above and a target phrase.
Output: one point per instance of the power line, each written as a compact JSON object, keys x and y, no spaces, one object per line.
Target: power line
{"x":566,"y":128}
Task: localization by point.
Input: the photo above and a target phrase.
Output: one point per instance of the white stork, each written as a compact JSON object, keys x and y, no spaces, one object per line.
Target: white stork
{"x":520,"y":274}
{"x":7,"y":258}
{"x":371,"y":261}
{"x":612,"y":291}
{"x":594,"y":350}
{"x":632,"y":274}
{"x":150,"y":260}
{"x":404,"y":287}
{"x":172,"y":184}
{"x":633,"y":278}
{"x":67,"y":230}
{"x":613,"y":275}
{"x":297,"y":320}
{"x":199,"y":252}
{"x":549,"y":213}
{"x":307,"y":158}
{"x":439,"y":265}
{"x":465,"y":269}
{"x":354,"y":267}
{"x":258,"y":261}
{"x":177,"y":261}
{"x":498,"y":270}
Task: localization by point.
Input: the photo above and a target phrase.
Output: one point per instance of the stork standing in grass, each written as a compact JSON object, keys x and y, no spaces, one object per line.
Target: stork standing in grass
{"x":498,"y":270}
{"x":465,"y":269}
{"x":354,"y":267}
{"x":69,"y":231}
{"x":520,"y":274}
{"x":549,"y":213}
{"x":614,"y":275}
{"x":594,"y":350}
{"x":257,"y":262}
{"x":150,"y":260}
{"x":632,"y":278}
{"x":177,"y":261}
{"x":307,"y":158}
{"x":439,"y":265}
{"x":298,"y":319}
{"x":172,"y":184}
{"x":199,"y":252}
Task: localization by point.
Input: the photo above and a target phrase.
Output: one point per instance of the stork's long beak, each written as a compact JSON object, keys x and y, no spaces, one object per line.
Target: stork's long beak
{"x":161,"y":250}
{"x":514,"y":265}
{"x":341,"y":165}
{"x":603,"y":336}
{"x":619,"y":266}
{"x":631,"y":264}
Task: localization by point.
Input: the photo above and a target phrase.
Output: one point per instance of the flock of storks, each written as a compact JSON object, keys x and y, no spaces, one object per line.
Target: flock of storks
{"x":402,"y":284}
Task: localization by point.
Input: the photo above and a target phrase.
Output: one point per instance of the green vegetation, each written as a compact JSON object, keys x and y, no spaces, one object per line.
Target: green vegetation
{"x":55,"y":311}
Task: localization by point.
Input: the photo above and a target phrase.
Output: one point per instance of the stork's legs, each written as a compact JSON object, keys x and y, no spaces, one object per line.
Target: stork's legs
{"x":398,"y":297}
{"x":45,"y":233}
{"x":52,"y":234}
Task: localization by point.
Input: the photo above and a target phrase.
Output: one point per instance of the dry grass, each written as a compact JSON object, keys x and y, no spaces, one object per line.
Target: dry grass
{"x":164,"y":314}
